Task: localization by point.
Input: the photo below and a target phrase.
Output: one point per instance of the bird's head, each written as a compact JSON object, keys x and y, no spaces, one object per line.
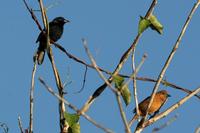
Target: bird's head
{"x":164,"y":93}
{"x":60,"y":20}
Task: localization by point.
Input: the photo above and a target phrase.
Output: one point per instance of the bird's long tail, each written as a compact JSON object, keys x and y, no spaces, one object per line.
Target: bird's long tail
{"x":39,"y":56}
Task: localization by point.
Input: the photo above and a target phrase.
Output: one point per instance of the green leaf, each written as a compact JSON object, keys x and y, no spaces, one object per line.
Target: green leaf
{"x":118,"y":80}
{"x":155,"y":24}
{"x":143,"y":25}
{"x":126,"y":94}
{"x":75,"y":128}
{"x":71,"y":118}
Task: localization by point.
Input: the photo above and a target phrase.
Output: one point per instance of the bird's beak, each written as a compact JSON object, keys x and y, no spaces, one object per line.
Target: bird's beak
{"x":66,"y":21}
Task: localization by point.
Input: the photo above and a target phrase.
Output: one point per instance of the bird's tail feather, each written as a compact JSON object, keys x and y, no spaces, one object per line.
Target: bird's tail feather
{"x":39,"y":56}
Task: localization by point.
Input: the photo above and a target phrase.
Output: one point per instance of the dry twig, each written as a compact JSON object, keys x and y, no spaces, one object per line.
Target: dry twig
{"x":134,"y":85}
{"x":32,"y":98}
{"x":20,"y":125}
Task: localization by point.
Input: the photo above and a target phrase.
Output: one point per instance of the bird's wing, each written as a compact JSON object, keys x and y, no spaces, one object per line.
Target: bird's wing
{"x":145,"y":102}
{"x":163,"y":103}
{"x":39,"y":37}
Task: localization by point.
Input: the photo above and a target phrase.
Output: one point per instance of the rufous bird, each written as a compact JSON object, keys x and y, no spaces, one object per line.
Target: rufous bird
{"x":158,"y":101}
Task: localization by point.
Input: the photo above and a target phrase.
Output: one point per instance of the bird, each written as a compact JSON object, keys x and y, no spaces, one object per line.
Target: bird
{"x":56,"y":27}
{"x":159,"y":100}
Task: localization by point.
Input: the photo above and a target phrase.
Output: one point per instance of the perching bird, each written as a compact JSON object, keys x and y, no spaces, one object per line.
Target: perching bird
{"x":158,"y":101}
{"x":55,"y":32}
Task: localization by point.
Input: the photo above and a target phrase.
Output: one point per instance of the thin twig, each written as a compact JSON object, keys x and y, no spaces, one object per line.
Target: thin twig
{"x":73,"y":107}
{"x":43,"y":14}
{"x":77,"y":59}
{"x":96,"y":67}
{"x":149,"y":12}
{"x":33,"y":15}
{"x":135,"y":87}
{"x":134,"y":83}
{"x":171,"y":55}
{"x":60,"y":90}
{"x":20,"y":125}
{"x":136,"y":71}
{"x":32,"y":97}
{"x":84,"y":80}
{"x":117,"y":93}
{"x":122,"y":113}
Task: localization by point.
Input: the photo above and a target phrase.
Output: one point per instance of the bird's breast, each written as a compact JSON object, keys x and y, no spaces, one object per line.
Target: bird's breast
{"x":55,"y":33}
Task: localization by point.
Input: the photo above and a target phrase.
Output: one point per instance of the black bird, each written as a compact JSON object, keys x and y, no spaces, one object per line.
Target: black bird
{"x":55,"y":32}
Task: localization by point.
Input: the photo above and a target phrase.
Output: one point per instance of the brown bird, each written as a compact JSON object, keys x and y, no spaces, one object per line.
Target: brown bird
{"x":158,"y":101}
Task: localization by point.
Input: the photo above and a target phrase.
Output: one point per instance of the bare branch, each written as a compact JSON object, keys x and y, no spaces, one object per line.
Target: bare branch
{"x":33,"y":15}
{"x":122,"y":113}
{"x":43,"y":14}
{"x":60,"y":90}
{"x":134,"y":85}
{"x":84,"y":79}
{"x":134,"y":80}
{"x":96,"y":67}
{"x":32,"y":97}
{"x":20,"y":125}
